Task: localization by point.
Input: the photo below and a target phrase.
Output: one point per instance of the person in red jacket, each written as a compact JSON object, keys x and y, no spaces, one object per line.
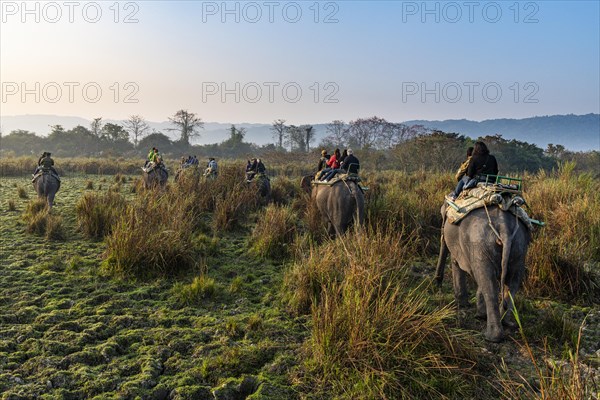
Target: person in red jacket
{"x":334,"y":164}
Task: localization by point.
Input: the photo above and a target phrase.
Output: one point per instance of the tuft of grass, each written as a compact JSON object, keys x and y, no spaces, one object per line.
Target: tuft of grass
{"x":374,"y":333}
{"x":89,"y":185}
{"x":97,"y":213}
{"x":22,"y":193}
{"x":202,"y":287}
{"x":11,"y":205}
{"x":274,"y":233}
{"x":151,"y":238}
{"x":40,"y":221}
{"x":236,"y":285}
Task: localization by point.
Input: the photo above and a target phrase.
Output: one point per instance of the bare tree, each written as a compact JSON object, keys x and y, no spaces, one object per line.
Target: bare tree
{"x":365,"y":132}
{"x":96,"y":127}
{"x":295,"y":137}
{"x":279,"y":131}
{"x":337,"y":133}
{"x":187,"y":123}
{"x":309,"y":136}
{"x":137,"y":128}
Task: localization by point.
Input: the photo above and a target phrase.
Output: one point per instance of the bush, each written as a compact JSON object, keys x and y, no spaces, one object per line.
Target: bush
{"x":11,"y":205}
{"x":274,"y":233}
{"x":152,"y":238}
{"x":98,"y":213}
{"x":374,"y":334}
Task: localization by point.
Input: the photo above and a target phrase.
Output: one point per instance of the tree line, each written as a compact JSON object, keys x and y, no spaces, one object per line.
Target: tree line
{"x":382,"y":143}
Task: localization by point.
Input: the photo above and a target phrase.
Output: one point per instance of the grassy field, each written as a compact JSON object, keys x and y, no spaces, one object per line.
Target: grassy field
{"x":256,"y":315}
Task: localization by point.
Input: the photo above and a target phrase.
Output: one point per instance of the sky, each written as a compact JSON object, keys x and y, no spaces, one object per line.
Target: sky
{"x":302,"y":61}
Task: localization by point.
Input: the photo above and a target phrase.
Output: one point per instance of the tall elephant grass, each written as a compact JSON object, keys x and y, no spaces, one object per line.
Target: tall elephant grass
{"x":374,"y":333}
{"x":564,"y":257}
{"x":274,"y":233}
{"x":152,"y":238}
{"x":41,"y":221}
{"x":97,"y":213}
{"x":409,"y":202}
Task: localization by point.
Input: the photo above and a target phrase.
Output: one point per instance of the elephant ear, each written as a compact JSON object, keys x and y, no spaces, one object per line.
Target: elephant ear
{"x":305,"y":183}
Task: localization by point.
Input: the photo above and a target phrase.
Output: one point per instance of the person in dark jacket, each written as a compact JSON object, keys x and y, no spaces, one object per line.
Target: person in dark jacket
{"x":482,"y":165}
{"x":351,"y":164}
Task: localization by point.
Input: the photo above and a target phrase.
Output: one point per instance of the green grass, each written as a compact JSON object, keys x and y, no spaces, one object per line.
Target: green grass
{"x":231,"y":324}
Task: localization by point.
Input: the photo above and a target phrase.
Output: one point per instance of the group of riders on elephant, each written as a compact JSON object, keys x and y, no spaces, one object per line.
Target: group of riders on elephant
{"x":489,"y":244}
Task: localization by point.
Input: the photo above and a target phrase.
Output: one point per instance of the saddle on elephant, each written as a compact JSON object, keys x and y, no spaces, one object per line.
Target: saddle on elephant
{"x":153,"y":165}
{"x":507,"y":196}
{"x":340,"y":177}
{"x":45,"y":171}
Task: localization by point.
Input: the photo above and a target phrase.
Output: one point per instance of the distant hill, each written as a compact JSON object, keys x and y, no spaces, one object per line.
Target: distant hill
{"x":575,"y":132}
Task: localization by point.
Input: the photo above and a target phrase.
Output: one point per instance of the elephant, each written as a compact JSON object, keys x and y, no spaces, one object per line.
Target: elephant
{"x":340,"y":204}
{"x":155,"y":177}
{"x":263,"y":186}
{"x":492,"y":249}
{"x":46,"y":185}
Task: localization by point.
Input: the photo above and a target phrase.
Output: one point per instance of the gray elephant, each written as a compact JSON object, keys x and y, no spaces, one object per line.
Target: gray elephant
{"x":46,"y":185}
{"x":492,"y":250}
{"x":263,"y":187}
{"x":340,"y":204}
{"x":155,"y":177}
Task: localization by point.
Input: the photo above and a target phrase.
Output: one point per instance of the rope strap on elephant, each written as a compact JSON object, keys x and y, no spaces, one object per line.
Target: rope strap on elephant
{"x":486,"y":195}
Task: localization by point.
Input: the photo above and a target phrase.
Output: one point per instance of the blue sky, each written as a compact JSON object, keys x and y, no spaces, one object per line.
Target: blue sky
{"x":338,"y":60}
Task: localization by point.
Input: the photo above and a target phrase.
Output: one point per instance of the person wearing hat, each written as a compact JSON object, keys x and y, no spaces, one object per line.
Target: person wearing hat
{"x":211,"y":168}
{"x":323,"y":160}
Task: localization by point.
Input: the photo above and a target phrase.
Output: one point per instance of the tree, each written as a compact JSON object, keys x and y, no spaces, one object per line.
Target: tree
{"x":155,"y":139}
{"x":337,"y":134}
{"x":137,"y":128}
{"x":295,"y":137}
{"x":366,"y":132}
{"x":96,"y":127}
{"x":309,"y":135}
{"x":114,"y":133}
{"x":279,"y":131}
{"x":187,"y":123}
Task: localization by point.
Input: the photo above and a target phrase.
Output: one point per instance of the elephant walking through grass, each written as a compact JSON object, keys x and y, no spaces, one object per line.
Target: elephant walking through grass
{"x":492,"y":250}
{"x":46,"y":185}
{"x":155,"y":177}
{"x":340,"y":204}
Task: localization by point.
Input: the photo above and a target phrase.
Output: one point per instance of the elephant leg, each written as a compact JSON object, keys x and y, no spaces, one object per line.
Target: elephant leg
{"x":488,"y":286}
{"x":459,"y":280}
{"x":50,"y":199}
{"x":481,"y":310}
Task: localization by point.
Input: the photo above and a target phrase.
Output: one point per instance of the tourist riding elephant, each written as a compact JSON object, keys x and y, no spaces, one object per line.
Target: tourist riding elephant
{"x":155,"y":177}
{"x":46,"y":185}
{"x":340,"y":204}
{"x":492,"y":250}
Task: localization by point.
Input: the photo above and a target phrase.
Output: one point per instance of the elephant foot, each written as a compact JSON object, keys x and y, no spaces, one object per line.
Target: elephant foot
{"x":494,"y":335}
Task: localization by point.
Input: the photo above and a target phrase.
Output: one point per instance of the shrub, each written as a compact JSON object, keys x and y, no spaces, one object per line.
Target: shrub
{"x":274,"y":233}
{"x":97,"y":213}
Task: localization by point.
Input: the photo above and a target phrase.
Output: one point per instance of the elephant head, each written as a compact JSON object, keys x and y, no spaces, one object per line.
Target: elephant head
{"x":492,"y":249}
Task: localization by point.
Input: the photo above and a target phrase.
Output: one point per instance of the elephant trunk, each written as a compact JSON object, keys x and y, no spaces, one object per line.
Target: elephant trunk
{"x":506,"y":242}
